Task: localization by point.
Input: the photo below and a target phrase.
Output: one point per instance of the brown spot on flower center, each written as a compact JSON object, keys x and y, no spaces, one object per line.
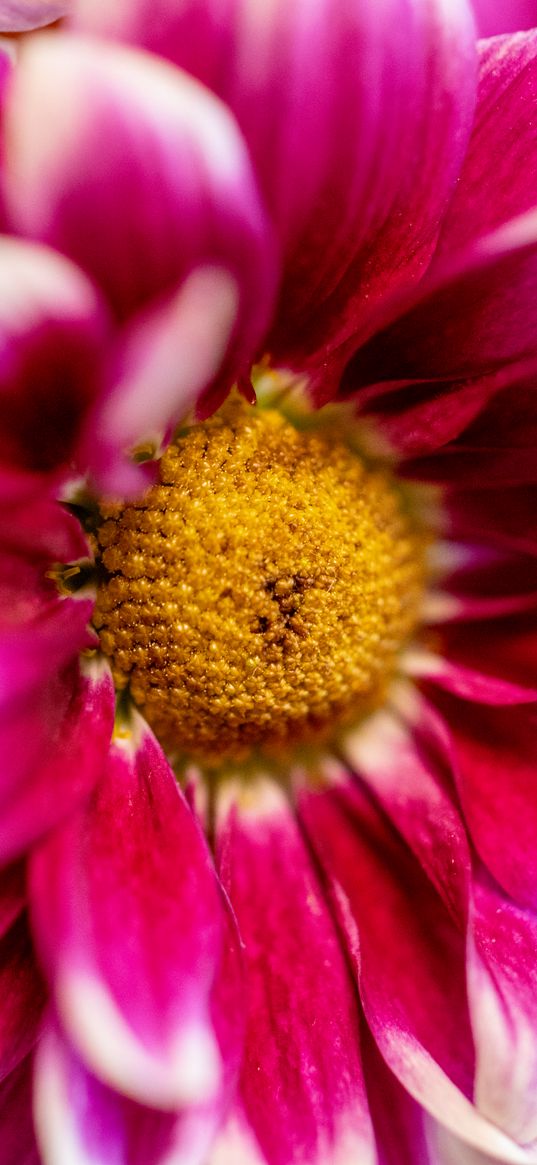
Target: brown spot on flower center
{"x":261,"y":591}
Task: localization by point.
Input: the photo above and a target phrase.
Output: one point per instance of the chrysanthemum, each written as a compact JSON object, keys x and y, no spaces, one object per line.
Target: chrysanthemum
{"x":268,"y":802}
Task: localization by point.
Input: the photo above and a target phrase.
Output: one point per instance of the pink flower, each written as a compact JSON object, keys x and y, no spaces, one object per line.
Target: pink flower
{"x":329,"y":957}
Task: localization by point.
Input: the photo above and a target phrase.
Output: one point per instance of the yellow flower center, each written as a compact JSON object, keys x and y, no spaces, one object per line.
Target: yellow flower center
{"x":259,"y":594}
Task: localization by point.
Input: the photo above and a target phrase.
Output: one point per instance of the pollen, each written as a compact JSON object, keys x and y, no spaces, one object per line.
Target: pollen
{"x":259,"y":594}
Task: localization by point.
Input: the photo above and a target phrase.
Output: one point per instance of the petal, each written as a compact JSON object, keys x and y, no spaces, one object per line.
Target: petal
{"x":356,"y":116}
{"x":498,"y":180}
{"x":53,"y":746}
{"x":19,"y":15}
{"x":177,"y":348}
{"x":80,"y":1121}
{"x":466,"y":682}
{"x":471,"y":317}
{"x":134,"y":995}
{"x":145,"y":178}
{"x":504,"y":518}
{"x":503,"y":998}
{"x":52,"y":328}
{"x":16,"y":1126}
{"x":23,"y":995}
{"x":401,"y":753}
{"x":493,"y":18}
{"x":494,"y":753}
{"x":409,"y":958}
{"x":302,"y":1085}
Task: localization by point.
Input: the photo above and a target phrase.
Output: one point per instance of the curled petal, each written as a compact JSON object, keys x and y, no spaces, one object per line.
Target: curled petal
{"x":129,"y":924}
{"x":301,"y":1085}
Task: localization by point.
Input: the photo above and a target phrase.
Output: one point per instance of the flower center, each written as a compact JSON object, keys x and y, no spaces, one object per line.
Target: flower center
{"x":261,"y":591}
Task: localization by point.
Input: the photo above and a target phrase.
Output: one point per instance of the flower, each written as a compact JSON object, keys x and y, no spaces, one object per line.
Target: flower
{"x":290,"y":955}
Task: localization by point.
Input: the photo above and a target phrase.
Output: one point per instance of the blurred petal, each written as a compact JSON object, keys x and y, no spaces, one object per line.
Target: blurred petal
{"x":16,"y":1126}
{"x":53,"y":744}
{"x":19,"y":15}
{"x":302,"y":1085}
{"x":144,"y":180}
{"x":134,"y":994}
{"x":22,"y":994}
{"x":52,"y":327}
{"x":356,"y":116}
{"x":177,"y":348}
{"x":80,"y":1121}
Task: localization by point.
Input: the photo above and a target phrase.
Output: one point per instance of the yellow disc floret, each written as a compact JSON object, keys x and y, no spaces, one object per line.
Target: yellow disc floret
{"x":261,"y":591}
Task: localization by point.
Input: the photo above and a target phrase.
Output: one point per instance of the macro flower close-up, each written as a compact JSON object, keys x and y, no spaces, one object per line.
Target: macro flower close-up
{"x":268,"y":563}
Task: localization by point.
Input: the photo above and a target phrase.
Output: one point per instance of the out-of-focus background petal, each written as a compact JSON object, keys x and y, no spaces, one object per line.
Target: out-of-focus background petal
{"x":494,"y":16}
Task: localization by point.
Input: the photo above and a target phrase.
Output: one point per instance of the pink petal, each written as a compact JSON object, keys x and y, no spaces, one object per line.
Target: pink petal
{"x":144,"y":180}
{"x":356,"y":117}
{"x":129,"y":924}
{"x":302,"y":1085}
{"x":19,"y":15}
{"x":495,"y":16}
{"x":495,"y":752}
{"x":16,"y":1126}
{"x":406,"y":764}
{"x":53,"y":744}
{"x":498,"y":180}
{"x":82,"y":1122}
{"x":23,"y":995}
{"x":52,"y":328}
{"x":178,"y":348}
{"x":503,"y":994}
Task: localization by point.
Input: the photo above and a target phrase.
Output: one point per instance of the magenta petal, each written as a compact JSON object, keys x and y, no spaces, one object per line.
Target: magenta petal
{"x":129,"y":925}
{"x":356,"y":117}
{"x":52,"y":328}
{"x":495,"y":754}
{"x":492,"y":285}
{"x":19,"y":15}
{"x":80,"y":1121}
{"x":177,"y":348}
{"x":16,"y":1126}
{"x":23,"y":995}
{"x":410,"y":959}
{"x":302,"y":1085}
{"x":144,"y":180}
{"x":503,"y":999}
{"x":498,"y":180}
{"x":53,"y":746}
